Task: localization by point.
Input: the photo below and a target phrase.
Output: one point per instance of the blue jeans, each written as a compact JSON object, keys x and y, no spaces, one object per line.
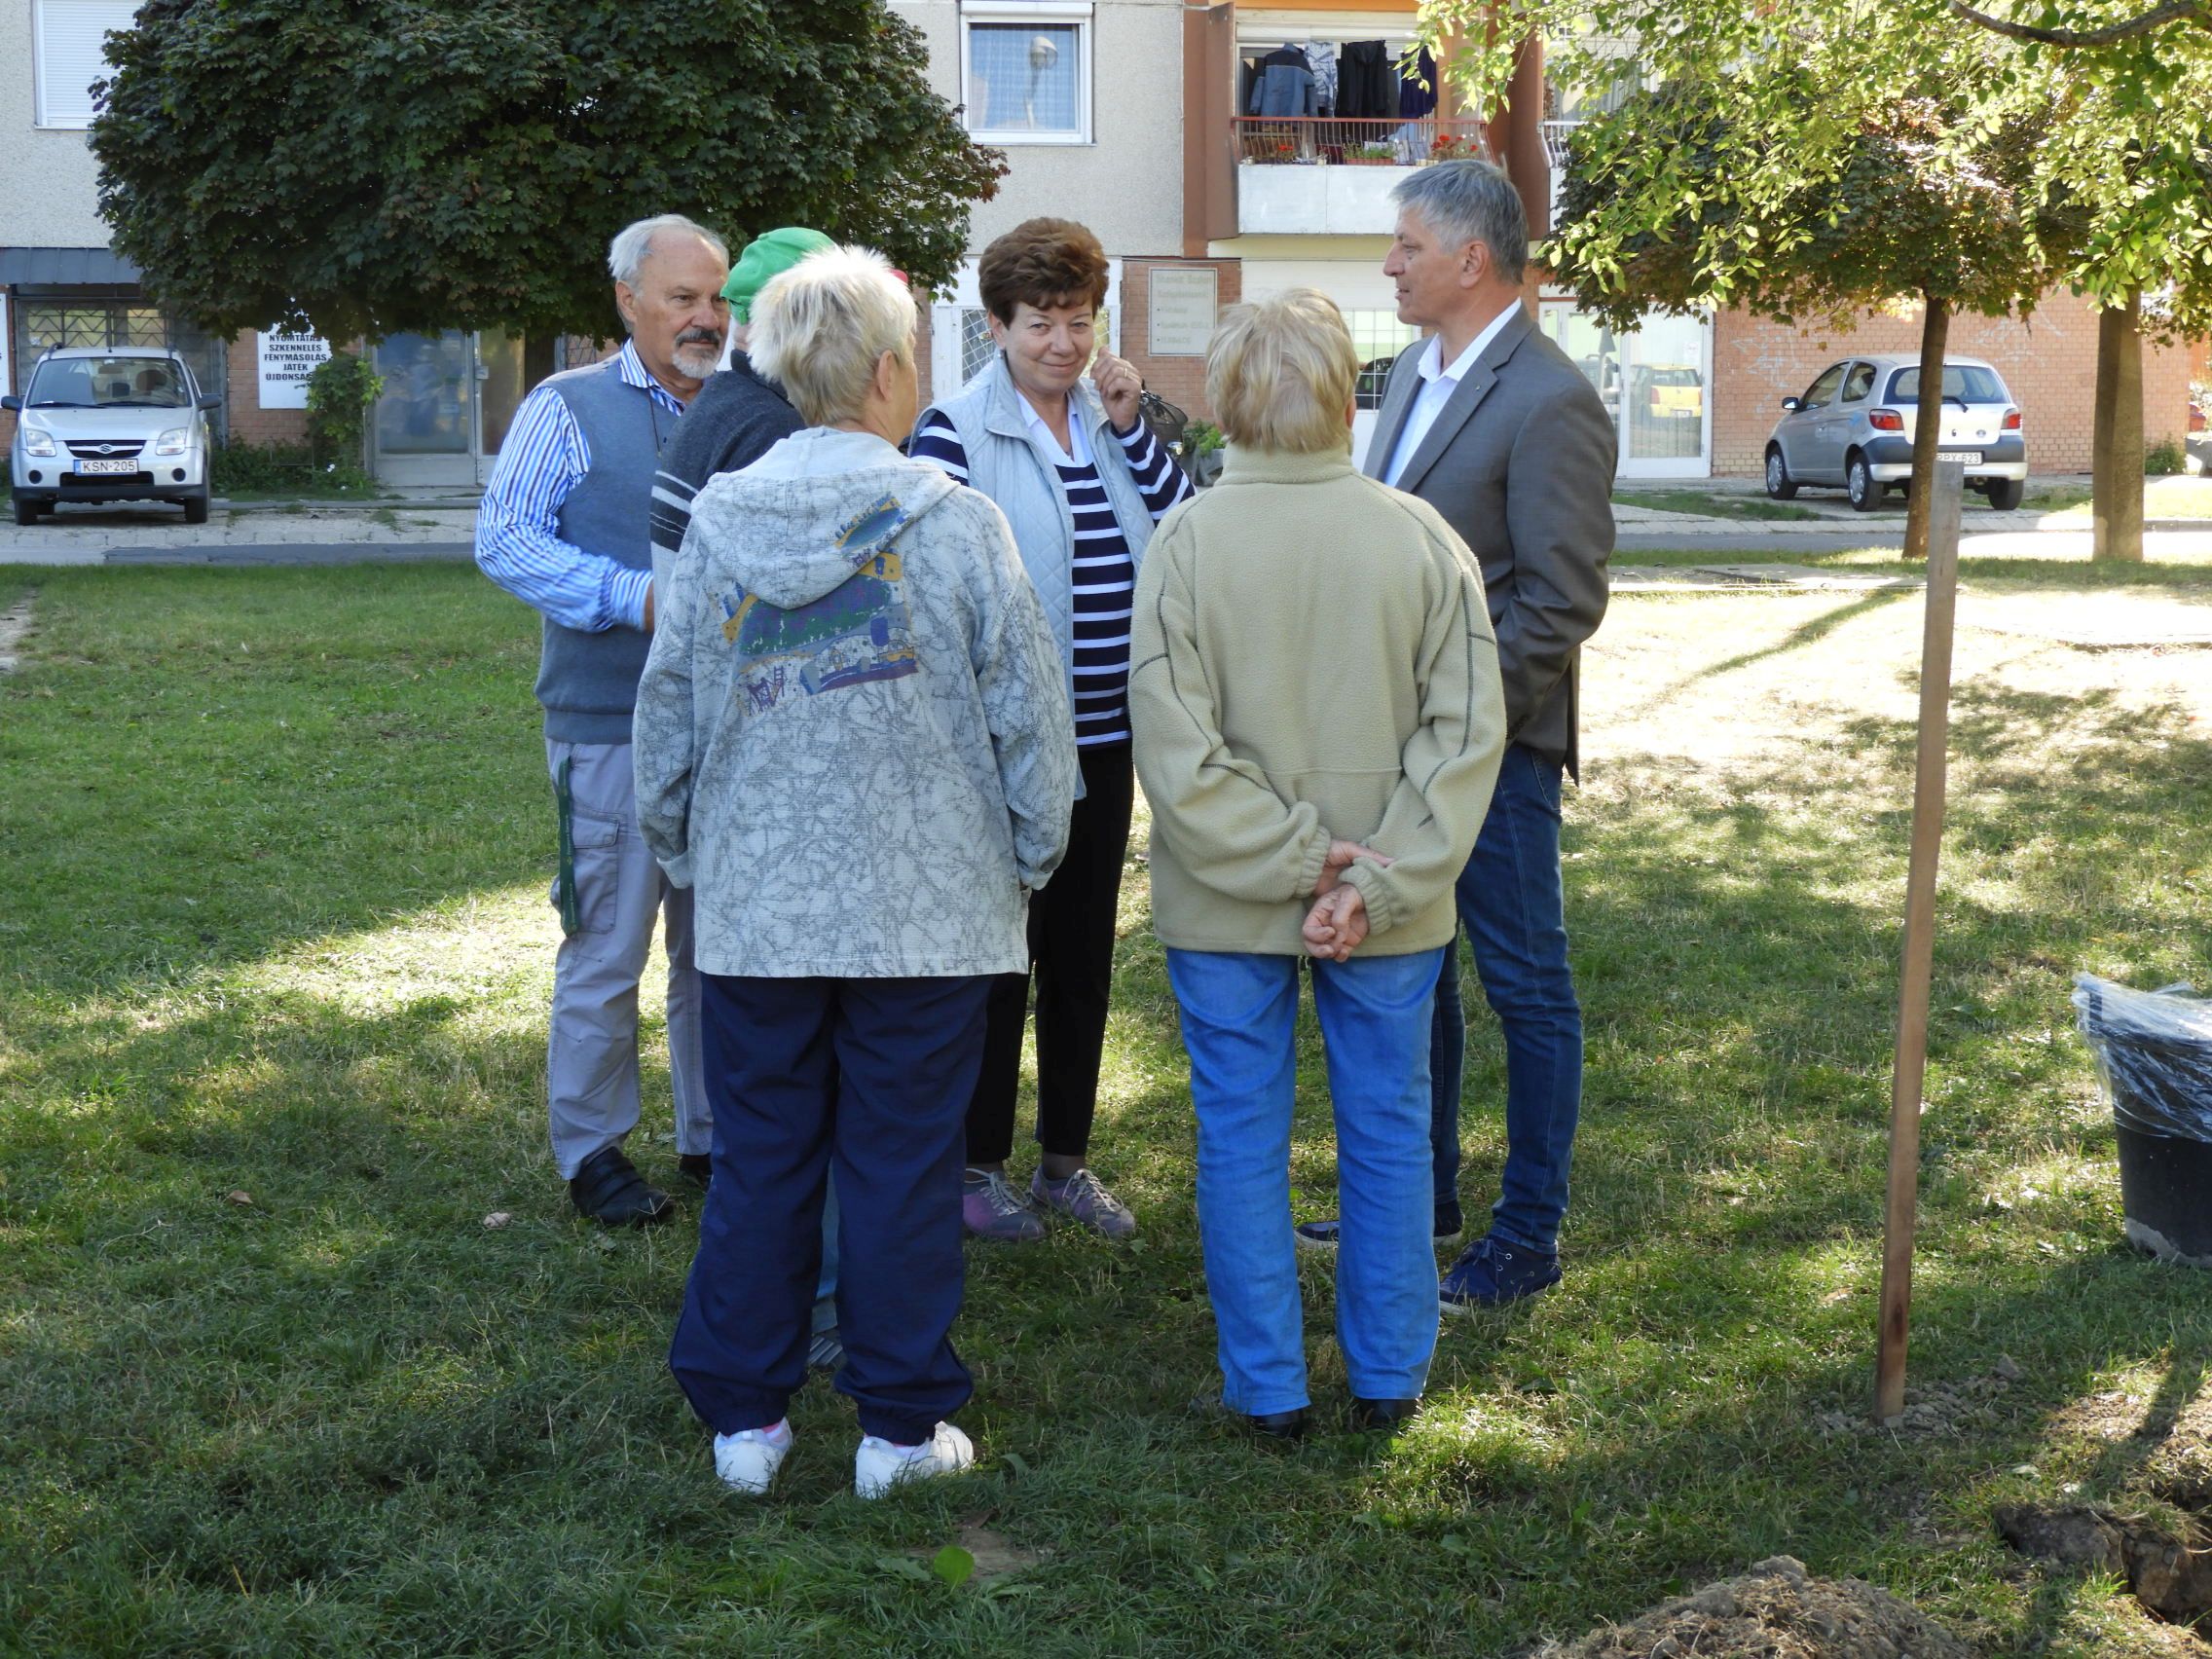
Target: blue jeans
{"x":1514,"y":911}
{"x":1238,"y":1018}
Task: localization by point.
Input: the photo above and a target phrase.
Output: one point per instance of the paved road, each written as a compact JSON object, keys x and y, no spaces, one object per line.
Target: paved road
{"x":1989,"y":544}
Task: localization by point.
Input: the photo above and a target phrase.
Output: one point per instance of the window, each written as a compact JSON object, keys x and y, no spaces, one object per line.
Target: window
{"x":116,"y":323}
{"x":1963,"y":383}
{"x":1377,"y":338}
{"x":68,"y":39}
{"x":1823,"y":388}
{"x":1859,"y":383}
{"x":1025,"y":71}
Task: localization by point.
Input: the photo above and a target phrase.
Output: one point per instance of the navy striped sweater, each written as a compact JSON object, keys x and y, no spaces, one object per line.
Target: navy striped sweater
{"x":1102,"y":574}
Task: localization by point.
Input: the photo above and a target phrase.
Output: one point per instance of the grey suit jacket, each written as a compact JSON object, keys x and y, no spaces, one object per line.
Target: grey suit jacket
{"x":1520,"y":461}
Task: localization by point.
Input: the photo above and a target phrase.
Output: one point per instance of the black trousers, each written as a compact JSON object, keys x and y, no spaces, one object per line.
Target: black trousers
{"x":1071,"y":954}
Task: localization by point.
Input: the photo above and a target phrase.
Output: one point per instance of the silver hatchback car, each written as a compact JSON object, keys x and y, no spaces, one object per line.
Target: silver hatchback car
{"x":109,"y":424}
{"x":1853,"y":427}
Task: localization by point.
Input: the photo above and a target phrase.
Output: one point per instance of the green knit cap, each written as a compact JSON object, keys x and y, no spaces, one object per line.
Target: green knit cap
{"x":767,"y":255}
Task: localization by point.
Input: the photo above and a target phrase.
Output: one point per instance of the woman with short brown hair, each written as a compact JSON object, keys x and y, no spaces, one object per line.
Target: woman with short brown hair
{"x":1082,"y":480}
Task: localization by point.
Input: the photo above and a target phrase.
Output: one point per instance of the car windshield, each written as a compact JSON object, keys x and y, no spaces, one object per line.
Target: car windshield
{"x":107,"y":383}
{"x":1963,"y":383}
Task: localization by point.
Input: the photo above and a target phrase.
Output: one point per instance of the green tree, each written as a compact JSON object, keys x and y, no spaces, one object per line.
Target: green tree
{"x":1653,"y":214}
{"x":363,"y":168}
{"x":2118,"y":191}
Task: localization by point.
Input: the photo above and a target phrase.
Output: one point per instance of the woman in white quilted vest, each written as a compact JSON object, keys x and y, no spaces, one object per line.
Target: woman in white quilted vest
{"x":1082,"y":480}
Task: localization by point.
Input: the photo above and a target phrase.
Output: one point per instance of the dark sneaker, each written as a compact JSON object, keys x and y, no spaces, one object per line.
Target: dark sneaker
{"x":1084,"y":1198}
{"x":990,"y":1208}
{"x":1382,"y":1415}
{"x":1322,"y":1234}
{"x":1491,"y":1273}
{"x":697,"y":1168}
{"x":607,"y":1189}
{"x":826,"y":1350}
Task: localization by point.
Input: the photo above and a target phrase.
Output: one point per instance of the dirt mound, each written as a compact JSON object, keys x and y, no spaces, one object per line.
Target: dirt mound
{"x":2167,"y":1577}
{"x":1777,"y":1611}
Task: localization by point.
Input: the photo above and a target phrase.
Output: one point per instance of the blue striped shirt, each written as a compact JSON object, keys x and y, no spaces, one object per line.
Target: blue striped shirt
{"x":1101,"y":573}
{"x":518,"y":541}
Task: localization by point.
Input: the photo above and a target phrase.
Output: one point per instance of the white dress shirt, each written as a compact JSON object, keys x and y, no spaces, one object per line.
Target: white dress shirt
{"x":1437,"y":385}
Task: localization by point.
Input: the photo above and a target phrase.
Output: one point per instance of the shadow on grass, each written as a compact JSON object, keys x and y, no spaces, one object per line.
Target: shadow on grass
{"x":347,"y":1416}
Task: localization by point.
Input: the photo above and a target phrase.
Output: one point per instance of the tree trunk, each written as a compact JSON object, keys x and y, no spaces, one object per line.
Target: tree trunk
{"x":2118,"y":476}
{"x":1927,"y":425}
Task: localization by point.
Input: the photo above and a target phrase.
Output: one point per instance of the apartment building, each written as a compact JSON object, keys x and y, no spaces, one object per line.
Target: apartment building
{"x":1148,"y":120}
{"x":1137,"y":117}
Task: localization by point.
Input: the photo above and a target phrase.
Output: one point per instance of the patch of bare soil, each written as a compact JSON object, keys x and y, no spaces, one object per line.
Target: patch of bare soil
{"x":1777,"y":1611}
{"x":14,"y":623}
{"x":1934,"y":1408}
{"x":2167,"y":1574}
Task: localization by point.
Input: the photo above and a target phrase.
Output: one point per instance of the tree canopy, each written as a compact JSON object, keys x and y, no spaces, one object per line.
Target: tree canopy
{"x":372,"y":166}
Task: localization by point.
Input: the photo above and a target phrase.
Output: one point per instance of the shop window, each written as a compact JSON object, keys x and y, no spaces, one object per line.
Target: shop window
{"x":69,"y":40}
{"x":1025,"y":71}
{"x":106,"y":321}
{"x":1378,"y":337}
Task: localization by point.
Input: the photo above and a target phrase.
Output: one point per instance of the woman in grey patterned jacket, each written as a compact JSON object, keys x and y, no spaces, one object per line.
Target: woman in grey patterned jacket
{"x":853,"y":741}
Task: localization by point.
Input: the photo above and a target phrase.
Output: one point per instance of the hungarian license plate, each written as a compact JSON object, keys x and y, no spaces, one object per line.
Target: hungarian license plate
{"x":104,"y":467}
{"x":1972,"y":458}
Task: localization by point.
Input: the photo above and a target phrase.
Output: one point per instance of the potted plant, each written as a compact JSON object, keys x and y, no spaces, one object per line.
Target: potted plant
{"x":1370,"y":155}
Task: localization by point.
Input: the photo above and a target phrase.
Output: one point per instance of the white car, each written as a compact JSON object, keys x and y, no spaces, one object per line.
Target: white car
{"x":1853,"y":428}
{"x":109,"y":424}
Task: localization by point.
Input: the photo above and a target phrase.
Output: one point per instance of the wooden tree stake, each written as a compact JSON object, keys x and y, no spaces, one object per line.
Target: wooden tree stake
{"x":1911,"y":1065}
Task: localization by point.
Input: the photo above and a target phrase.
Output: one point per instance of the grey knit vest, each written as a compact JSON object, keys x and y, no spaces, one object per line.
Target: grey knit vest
{"x":588,"y":682}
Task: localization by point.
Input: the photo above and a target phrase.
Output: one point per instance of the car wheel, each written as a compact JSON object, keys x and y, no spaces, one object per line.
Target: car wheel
{"x":1779,"y":484}
{"x":1860,"y":483}
{"x":196,"y":508}
{"x":2005,"y":492}
{"x":26,"y":509}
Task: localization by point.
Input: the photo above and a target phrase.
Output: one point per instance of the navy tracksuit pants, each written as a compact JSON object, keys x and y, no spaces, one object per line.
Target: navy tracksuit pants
{"x":873,"y":1076}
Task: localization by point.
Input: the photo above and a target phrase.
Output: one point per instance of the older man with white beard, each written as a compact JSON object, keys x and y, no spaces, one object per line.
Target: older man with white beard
{"x":564,"y":527}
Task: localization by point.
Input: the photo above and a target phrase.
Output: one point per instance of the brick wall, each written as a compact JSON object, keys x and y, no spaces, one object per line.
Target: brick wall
{"x":249,"y":422}
{"x":1182,"y":380}
{"x":2048,"y":361}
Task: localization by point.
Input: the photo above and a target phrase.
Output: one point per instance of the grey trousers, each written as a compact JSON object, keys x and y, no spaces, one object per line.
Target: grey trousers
{"x":591,"y":1062}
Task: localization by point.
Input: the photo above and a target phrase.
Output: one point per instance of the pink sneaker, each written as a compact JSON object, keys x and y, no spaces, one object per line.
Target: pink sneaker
{"x":991,"y":1208}
{"x":1084,"y":1198}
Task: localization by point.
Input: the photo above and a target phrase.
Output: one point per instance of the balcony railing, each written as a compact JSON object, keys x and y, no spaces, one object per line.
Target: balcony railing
{"x":1556,"y":133}
{"x":1327,"y":141}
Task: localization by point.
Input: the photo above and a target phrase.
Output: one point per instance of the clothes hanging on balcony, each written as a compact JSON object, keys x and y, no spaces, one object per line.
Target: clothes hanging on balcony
{"x":1417,"y":98}
{"x":1367,"y":82}
{"x":1284,"y":85}
{"x":1321,"y":59}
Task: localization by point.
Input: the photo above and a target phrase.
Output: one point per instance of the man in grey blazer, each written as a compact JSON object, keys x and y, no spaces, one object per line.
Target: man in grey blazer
{"x":1493,"y":426}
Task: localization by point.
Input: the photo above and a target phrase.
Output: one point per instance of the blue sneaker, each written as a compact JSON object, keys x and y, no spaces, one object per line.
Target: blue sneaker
{"x":1322,"y":1234}
{"x":1491,"y":1273}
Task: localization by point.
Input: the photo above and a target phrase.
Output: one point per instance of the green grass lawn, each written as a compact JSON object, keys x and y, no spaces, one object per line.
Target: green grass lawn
{"x":273,"y":961}
{"x":1711,"y":504}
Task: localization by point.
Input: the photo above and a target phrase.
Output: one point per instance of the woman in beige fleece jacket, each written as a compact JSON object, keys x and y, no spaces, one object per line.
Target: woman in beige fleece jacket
{"x":1319,"y":723}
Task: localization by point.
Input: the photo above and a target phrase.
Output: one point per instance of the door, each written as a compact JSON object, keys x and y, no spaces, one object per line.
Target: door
{"x":1809,"y":441}
{"x":447,"y":401}
{"x":1654,"y":382}
{"x":426,"y":423}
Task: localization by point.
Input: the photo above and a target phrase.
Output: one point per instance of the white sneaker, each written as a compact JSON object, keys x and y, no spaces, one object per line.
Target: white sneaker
{"x":748,"y":1460}
{"x":879,"y":1465}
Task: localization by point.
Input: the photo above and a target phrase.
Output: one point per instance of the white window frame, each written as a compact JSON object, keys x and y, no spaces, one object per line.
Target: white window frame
{"x":7,"y":344}
{"x":41,"y":117}
{"x":968,"y":296}
{"x":1080,"y":13}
